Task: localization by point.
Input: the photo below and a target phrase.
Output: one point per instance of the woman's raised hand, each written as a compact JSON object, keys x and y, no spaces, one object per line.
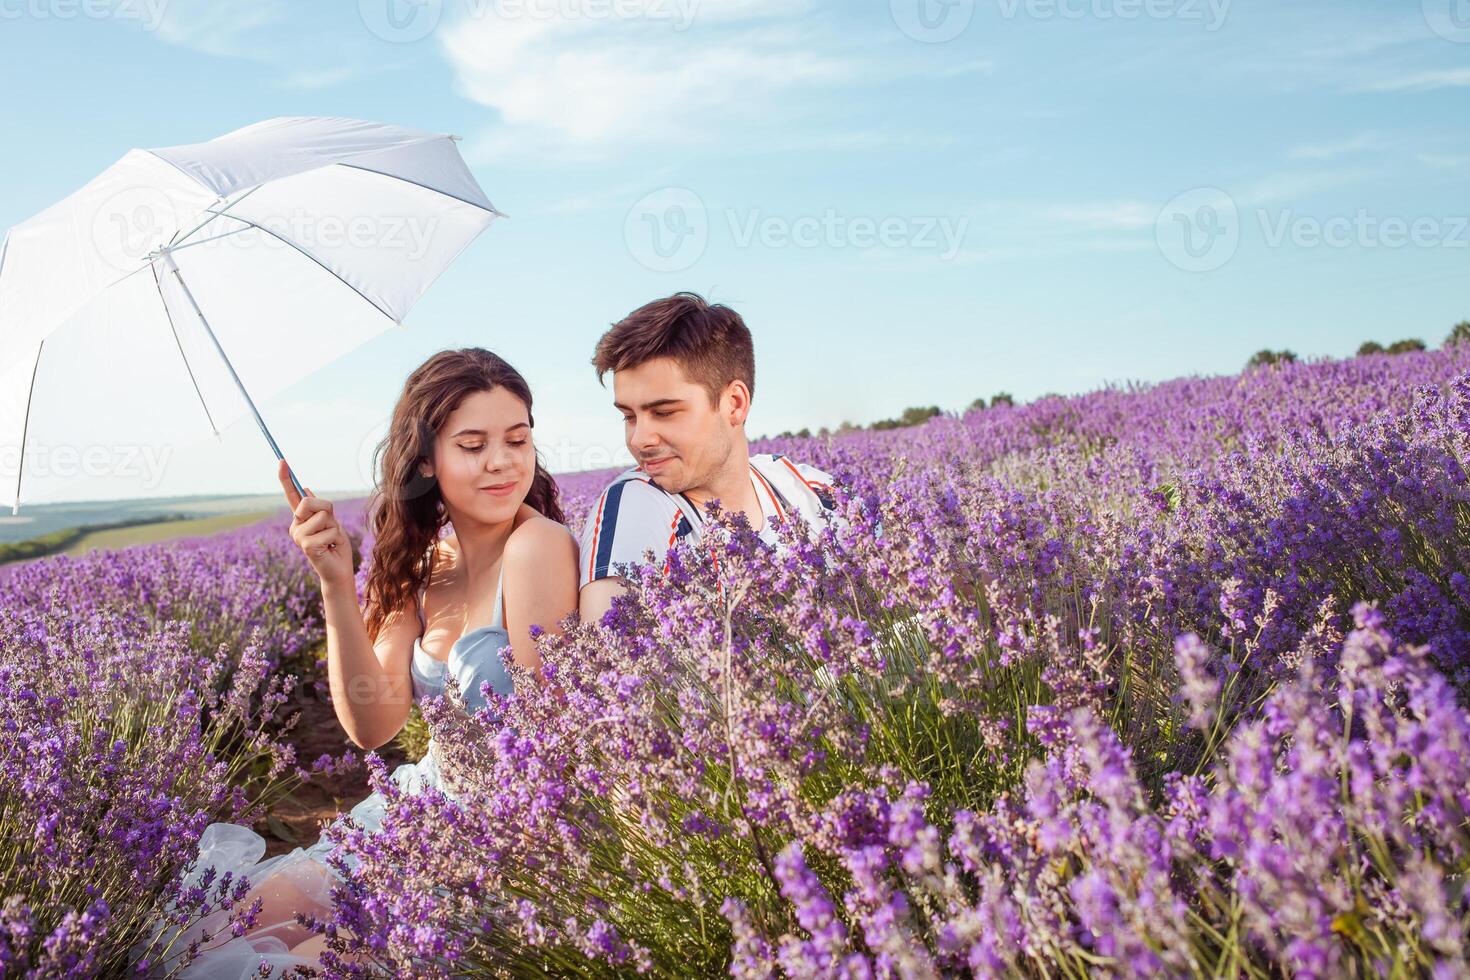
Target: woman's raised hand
{"x":315,"y":530}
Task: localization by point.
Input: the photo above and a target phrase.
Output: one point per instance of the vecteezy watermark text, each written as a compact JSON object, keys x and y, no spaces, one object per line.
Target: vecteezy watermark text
{"x":940,"y":234}
{"x":149,"y":13}
{"x":937,"y":21}
{"x":1200,"y":230}
{"x":1210,"y":13}
{"x":669,"y":230}
{"x":143,"y":463}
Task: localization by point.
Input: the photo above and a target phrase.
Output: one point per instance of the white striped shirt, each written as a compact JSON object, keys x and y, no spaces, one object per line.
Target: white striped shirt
{"x":634,"y":515}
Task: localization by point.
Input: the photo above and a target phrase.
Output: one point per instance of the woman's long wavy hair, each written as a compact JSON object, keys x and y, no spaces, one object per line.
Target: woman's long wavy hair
{"x":406,"y":511}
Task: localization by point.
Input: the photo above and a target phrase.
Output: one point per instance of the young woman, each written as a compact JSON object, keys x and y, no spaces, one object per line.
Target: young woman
{"x":460,"y":454}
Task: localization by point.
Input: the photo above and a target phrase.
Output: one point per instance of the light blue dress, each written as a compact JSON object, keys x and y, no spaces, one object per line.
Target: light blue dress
{"x":475,"y":659}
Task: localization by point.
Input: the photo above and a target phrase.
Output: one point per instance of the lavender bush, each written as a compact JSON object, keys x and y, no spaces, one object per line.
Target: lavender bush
{"x":1161,"y":680}
{"x":1165,"y":681}
{"x":141,"y":697}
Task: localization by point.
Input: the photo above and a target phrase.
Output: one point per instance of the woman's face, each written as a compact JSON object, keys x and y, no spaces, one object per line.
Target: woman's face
{"x":484,"y":457}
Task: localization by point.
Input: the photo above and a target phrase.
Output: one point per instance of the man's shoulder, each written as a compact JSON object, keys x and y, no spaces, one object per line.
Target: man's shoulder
{"x":631,"y":516}
{"x":799,"y":481}
{"x":630,"y":492}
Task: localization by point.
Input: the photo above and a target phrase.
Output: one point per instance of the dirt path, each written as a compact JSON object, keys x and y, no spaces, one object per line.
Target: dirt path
{"x":297,"y":819}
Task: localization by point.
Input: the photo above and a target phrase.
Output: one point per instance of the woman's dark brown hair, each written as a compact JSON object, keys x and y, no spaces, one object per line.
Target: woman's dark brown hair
{"x":406,"y":511}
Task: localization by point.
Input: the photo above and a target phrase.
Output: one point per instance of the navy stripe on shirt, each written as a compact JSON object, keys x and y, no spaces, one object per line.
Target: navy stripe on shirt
{"x":603,"y":566}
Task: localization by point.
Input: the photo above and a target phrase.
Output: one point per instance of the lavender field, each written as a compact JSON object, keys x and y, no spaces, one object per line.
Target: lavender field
{"x":1166,"y":681}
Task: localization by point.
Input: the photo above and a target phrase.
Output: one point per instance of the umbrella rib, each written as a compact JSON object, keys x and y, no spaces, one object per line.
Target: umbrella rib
{"x":205,"y":241}
{"x":214,"y":214}
{"x":177,"y":243}
{"x":324,"y":267}
{"x":435,"y":190}
{"x":187,"y":366}
{"x":25,"y":426}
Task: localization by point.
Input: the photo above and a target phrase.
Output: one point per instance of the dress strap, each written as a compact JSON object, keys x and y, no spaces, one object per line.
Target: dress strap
{"x":423,"y":623}
{"x":499,"y":621}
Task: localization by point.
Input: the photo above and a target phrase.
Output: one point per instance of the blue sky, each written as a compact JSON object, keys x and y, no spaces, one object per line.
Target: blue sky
{"x":911,"y":202}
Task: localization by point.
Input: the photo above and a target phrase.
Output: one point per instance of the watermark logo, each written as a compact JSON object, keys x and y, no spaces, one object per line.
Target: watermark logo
{"x":564,"y":455}
{"x":410,"y":235}
{"x":1210,"y":13}
{"x":932,"y":21}
{"x":935,"y":21}
{"x":1364,"y":229}
{"x":679,"y":13}
{"x":667,"y":230}
{"x":401,"y":21}
{"x":941,"y":234}
{"x":1199,"y":230}
{"x":148,"y":13}
{"x":131,"y":224}
{"x":1450,"y":19}
{"x":142,"y":463}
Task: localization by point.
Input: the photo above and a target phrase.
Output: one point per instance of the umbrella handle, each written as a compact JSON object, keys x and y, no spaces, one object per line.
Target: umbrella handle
{"x":294,"y":482}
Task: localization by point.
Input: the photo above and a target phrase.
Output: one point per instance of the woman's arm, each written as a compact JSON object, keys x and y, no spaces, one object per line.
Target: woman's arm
{"x":540,"y":586}
{"x":371,"y":687}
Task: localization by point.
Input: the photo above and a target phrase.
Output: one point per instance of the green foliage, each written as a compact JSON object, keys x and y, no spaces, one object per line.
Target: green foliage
{"x":910,"y":416}
{"x":1266,"y":358}
{"x":1459,"y":334}
{"x":999,"y":398}
{"x":1369,"y":347}
{"x":1405,"y":346}
{"x":58,"y":541}
{"x":413,"y":739}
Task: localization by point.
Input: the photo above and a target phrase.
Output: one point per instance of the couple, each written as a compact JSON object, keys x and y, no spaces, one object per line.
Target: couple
{"x":460,"y":452}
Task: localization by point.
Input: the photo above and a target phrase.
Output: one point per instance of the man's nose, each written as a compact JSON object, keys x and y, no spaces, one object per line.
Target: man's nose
{"x":642,"y":437}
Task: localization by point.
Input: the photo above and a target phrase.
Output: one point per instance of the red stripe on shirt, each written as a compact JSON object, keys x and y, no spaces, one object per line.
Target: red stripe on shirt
{"x":596,"y":532}
{"x":811,"y":484}
{"x":769,"y":492}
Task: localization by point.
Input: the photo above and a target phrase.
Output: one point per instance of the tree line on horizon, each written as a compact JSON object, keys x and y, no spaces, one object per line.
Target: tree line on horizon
{"x":1459,"y":334}
{"x":918,"y":415}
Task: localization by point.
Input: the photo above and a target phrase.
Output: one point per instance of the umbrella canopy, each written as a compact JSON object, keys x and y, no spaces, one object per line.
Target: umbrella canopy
{"x":181,"y":282}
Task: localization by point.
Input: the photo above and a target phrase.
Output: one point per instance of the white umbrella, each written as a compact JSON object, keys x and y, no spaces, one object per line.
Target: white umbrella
{"x":165,"y":292}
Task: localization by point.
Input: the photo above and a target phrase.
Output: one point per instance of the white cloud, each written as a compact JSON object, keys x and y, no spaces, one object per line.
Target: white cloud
{"x":1328,"y":151}
{"x":1422,"y":81}
{"x":1445,"y":161}
{"x":608,"y":198}
{"x":1057,"y":248}
{"x":1287,"y":188}
{"x":588,"y":85}
{"x":1115,"y":216}
{"x":216,"y":28}
{"x":310,"y":79}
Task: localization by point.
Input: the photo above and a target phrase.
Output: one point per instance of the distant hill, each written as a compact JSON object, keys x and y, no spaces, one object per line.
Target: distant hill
{"x":42,"y":520}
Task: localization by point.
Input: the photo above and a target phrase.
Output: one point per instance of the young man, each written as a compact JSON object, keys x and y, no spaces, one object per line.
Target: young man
{"x":683,"y":375}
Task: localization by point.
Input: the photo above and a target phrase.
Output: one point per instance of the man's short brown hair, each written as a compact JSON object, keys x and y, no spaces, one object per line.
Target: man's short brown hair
{"x":709,"y":342}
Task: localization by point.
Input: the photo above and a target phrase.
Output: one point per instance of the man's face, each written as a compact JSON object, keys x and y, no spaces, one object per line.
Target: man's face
{"x":677,"y":437}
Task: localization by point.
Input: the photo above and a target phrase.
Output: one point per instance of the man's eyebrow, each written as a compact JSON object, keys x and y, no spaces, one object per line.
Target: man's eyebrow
{"x":646,"y":406}
{"x":481,"y":432}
